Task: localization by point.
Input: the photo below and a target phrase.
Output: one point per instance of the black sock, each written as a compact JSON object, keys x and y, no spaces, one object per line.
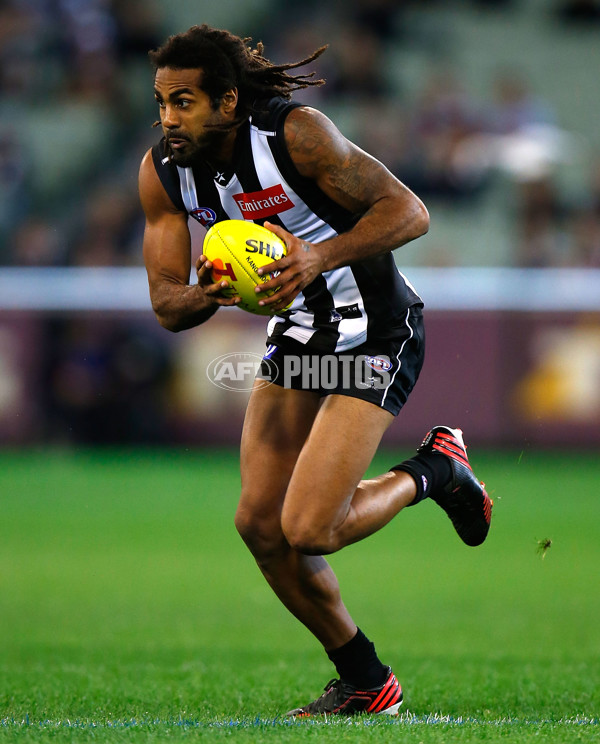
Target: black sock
{"x":430,"y":473}
{"x":358,"y":664}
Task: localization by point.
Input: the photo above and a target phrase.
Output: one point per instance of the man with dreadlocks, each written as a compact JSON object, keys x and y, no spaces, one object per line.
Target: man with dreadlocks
{"x":232,"y":137}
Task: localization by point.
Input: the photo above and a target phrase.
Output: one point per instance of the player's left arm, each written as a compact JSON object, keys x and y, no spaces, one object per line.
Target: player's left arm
{"x":390,"y":214}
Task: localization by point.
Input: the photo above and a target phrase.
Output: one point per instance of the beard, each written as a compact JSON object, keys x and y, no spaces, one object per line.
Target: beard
{"x":191,"y":150}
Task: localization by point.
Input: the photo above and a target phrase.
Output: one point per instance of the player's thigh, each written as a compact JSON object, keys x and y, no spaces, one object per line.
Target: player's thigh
{"x":342,"y":442}
{"x":276,"y":426}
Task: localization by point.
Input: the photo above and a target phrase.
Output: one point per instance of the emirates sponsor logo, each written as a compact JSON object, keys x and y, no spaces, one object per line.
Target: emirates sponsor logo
{"x":260,"y":204}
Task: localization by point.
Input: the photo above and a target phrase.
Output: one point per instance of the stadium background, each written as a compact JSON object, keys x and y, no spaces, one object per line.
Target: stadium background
{"x":487,"y":109}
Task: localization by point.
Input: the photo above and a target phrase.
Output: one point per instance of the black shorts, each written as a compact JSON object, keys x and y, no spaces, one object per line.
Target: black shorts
{"x":382,"y":372}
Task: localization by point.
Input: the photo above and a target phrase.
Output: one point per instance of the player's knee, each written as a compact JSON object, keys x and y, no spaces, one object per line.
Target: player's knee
{"x":251,"y":527}
{"x":261,"y":533}
{"x":309,"y":538}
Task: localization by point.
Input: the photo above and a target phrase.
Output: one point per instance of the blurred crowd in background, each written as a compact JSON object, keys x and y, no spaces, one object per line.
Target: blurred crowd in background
{"x":488,"y":145}
{"x":76,"y":108}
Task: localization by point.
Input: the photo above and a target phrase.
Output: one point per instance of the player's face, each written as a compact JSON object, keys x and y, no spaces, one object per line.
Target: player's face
{"x":187,"y":117}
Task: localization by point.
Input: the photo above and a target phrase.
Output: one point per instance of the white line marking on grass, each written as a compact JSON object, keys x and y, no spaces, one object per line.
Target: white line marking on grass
{"x":405,"y":719}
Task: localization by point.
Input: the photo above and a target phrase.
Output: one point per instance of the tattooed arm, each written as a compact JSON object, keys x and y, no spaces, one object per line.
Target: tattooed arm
{"x":390,"y":214}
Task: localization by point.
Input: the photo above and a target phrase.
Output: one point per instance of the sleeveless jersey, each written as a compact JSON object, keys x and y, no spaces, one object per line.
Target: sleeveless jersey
{"x":341,"y":308}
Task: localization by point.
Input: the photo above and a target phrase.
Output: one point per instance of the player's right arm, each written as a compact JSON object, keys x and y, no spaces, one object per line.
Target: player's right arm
{"x":177,"y":304}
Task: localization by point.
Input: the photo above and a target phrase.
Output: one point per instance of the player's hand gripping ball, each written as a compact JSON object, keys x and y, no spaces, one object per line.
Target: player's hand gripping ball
{"x":237,"y":249}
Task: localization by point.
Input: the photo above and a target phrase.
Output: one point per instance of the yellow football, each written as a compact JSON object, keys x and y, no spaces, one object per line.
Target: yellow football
{"x":237,"y":249}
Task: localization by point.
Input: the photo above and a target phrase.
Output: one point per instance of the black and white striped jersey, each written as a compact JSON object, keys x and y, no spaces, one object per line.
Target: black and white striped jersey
{"x":341,"y":308}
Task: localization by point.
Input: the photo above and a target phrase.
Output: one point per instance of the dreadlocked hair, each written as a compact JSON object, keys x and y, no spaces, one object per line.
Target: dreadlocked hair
{"x":228,"y":61}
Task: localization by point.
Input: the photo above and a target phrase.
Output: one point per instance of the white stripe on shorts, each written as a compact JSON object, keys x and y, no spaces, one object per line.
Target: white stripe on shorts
{"x":412,"y":333}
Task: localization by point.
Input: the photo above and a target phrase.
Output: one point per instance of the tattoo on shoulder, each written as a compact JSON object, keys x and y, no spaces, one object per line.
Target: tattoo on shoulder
{"x":307,"y":144}
{"x":324,"y":154}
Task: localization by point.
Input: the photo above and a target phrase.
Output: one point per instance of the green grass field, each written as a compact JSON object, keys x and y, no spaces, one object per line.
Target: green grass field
{"x":131,"y":611}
